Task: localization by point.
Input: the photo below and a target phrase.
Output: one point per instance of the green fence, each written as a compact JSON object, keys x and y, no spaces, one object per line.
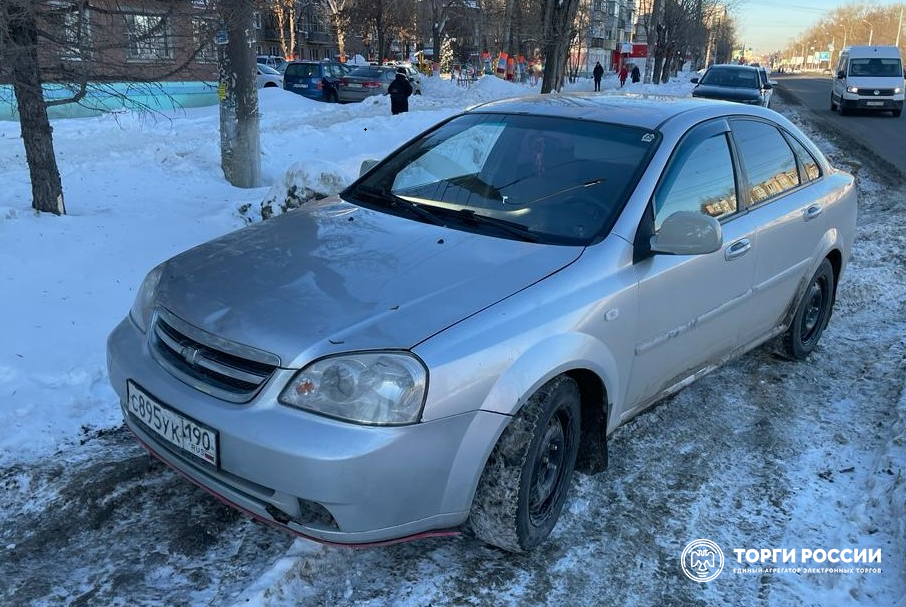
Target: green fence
{"x":117,"y":96}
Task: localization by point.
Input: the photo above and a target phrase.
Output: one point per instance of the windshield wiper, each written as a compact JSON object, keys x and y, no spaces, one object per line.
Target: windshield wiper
{"x":389,"y":200}
{"x":510,"y":227}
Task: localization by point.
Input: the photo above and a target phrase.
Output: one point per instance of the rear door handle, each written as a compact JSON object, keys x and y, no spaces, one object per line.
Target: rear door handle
{"x":738,"y":249}
{"x":812,"y":212}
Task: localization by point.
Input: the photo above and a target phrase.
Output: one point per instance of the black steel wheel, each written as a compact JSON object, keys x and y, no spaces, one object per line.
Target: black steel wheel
{"x":527,"y":477}
{"x":812,"y":313}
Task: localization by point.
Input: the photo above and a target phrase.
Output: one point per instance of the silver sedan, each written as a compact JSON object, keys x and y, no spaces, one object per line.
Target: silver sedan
{"x":442,"y":344}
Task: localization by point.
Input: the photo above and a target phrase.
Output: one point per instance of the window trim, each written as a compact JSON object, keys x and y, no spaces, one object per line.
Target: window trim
{"x":749,"y":202}
{"x":693,"y":137}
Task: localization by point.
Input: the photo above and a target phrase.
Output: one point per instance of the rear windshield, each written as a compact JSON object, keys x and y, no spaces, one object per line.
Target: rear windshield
{"x":367,"y":72}
{"x":302,"y":70}
{"x":730,"y":76}
{"x":875,"y":67}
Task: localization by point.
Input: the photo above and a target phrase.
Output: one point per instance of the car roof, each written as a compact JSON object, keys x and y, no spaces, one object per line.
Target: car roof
{"x":733,"y":66}
{"x":643,"y":111}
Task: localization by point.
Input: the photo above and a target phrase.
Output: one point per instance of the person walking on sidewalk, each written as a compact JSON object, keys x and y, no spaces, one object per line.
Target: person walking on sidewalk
{"x":623,"y":74}
{"x":598,"y":73}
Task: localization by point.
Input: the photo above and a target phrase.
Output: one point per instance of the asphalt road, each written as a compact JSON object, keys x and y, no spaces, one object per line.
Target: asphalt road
{"x":878,"y":133}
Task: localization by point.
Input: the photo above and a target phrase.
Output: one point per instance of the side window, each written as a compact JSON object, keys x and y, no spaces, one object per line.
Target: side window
{"x":808,"y":166}
{"x":767,"y":158}
{"x":700,"y":178}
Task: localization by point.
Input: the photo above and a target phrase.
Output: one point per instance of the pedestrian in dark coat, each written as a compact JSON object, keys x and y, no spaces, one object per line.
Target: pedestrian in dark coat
{"x":399,"y":90}
{"x":598,"y":73}
{"x":636,"y":75}
{"x":623,"y":74}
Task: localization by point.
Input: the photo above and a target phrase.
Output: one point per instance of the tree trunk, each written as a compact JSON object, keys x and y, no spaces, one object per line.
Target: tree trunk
{"x":654,"y":23}
{"x":20,"y":46}
{"x":240,"y":144}
{"x":559,"y":16}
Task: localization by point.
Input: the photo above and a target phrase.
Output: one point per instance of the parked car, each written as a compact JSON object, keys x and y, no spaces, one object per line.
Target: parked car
{"x":446,"y":340}
{"x":268,"y":77}
{"x":365,"y":81}
{"x":740,"y":83}
{"x":314,"y":79}
{"x":767,"y":85}
{"x":273,"y":61}
{"x":415,"y":78}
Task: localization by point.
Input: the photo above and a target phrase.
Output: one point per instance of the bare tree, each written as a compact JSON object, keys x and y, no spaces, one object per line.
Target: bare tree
{"x":54,"y":41}
{"x":19,"y":47}
{"x":558,"y":30}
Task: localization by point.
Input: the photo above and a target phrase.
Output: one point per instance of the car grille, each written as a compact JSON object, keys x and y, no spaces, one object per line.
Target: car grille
{"x":225,"y":369}
{"x":881,"y":92}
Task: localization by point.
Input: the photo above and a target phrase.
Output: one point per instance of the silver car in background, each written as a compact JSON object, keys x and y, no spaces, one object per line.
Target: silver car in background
{"x":442,"y":344}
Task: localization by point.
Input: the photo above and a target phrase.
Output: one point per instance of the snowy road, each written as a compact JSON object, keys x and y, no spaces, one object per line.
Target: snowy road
{"x":764,"y":453}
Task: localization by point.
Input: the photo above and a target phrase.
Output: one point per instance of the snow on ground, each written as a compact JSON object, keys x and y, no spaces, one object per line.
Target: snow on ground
{"x":764,"y":453}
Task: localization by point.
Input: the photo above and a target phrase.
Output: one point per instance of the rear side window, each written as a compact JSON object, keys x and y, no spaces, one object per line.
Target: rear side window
{"x":302,"y":70}
{"x":700,"y":179}
{"x":767,"y":158}
{"x":808,"y":166}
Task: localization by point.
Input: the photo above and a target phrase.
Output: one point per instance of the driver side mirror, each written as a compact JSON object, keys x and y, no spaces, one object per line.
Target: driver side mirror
{"x":841,"y":75}
{"x":694,"y":80}
{"x":688,"y":233}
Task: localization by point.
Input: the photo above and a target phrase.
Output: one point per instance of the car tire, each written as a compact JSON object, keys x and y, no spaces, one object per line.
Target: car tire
{"x":833,"y":105}
{"x":896,"y":113}
{"x":525,"y":481}
{"x":812,"y":313}
{"x":842,"y":108}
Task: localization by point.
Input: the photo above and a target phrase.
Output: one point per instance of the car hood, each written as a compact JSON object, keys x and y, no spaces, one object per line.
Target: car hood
{"x":334,"y":277}
{"x":728,"y":93}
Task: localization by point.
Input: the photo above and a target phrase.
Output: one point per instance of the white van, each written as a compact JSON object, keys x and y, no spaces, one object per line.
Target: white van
{"x":869,"y":78}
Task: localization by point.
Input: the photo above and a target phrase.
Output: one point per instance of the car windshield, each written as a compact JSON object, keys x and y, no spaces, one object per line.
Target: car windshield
{"x":730,"y":76}
{"x":302,"y":70}
{"x":875,"y":67}
{"x":546,"y":179}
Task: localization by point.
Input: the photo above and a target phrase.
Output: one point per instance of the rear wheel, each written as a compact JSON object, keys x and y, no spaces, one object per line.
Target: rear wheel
{"x":527,"y":476}
{"x":812,"y":313}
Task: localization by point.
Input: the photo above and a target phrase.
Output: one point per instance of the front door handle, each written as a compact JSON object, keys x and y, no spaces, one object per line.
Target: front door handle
{"x":738,"y":249}
{"x":812,"y":212}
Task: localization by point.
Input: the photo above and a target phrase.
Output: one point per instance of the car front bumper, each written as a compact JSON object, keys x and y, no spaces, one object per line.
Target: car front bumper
{"x":322,"y":478}
{"x":869,"y":103}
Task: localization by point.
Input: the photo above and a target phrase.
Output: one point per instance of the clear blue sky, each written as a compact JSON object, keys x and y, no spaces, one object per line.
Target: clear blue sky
{"x":768,"y":25}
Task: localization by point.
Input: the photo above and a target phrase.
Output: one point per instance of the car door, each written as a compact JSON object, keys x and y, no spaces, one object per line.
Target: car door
{"x":690,"y":307}
{"x":784,"y":197}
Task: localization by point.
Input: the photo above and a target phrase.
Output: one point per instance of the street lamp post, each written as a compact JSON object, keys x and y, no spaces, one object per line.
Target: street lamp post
{"x":871,"y":31}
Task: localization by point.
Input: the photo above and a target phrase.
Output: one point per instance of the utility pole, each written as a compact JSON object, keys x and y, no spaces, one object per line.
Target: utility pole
{"x":240,"y":144}
{"x":899,"y":27}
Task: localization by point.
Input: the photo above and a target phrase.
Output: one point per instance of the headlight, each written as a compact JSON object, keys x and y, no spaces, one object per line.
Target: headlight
{"x":852,"y":89}
{"x":379,"y":388}
{"x":144,"y":299}
{"x":897,"y":91}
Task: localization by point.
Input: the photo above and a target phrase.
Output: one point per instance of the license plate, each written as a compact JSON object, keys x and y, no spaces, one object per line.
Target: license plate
{"x":184,"y":432}
{"x":300,"y":86}
{"x":354,"y":85}
{"x":874,"y":103}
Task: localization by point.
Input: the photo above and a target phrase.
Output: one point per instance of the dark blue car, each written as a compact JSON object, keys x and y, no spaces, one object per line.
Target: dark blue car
{"x":314,"y":79}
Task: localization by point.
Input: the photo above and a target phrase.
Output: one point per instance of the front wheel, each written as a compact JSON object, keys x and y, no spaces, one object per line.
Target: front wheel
{"x":833,"y":105}
{"x":526,"y":479}
{"x":812,"y":313}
